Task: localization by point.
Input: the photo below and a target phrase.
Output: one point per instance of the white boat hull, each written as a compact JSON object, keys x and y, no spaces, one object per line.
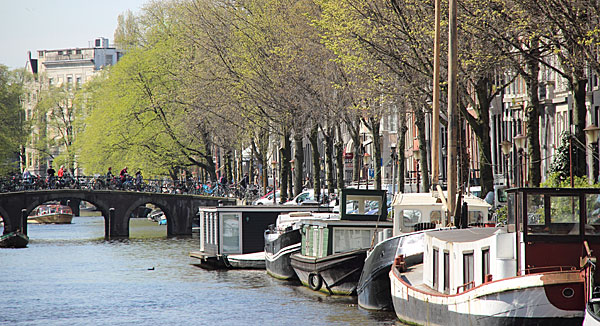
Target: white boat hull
{"x":522,"y":300}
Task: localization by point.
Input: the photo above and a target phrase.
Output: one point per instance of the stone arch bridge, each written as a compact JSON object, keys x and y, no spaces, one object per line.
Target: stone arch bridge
{"x":116,"y":207}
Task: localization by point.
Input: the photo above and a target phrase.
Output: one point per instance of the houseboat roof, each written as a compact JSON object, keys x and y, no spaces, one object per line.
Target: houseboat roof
{"x":423,"y":199}
{"x":466,"y":235}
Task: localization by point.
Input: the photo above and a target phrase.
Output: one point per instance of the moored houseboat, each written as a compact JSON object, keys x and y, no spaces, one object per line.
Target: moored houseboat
{"x":283,"y":239}
{"x":333,"y":251}
{"x":237,"y":230}
{"x":416,"y":212}
{"x":529,"y":272}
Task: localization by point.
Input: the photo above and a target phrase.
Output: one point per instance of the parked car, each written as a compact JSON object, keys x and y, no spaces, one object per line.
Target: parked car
{"x":306,"y":197}
{"x":267,"y":199}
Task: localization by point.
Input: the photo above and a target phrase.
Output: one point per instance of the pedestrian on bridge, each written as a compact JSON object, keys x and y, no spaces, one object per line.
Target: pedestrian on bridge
{"x":123,"y":174}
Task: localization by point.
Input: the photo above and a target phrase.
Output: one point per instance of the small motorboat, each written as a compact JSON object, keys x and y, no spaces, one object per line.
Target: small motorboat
{"x":15,"y":239}
{"x":51,"y":214}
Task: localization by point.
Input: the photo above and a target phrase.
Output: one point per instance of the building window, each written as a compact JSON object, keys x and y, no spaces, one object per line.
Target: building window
{"x":41,"y":54}
{"x":468,"y":270}
{"x":77,"y":51}
{"x":446,"y":272}
{"x":78,"y":80}
{"x":485,"y":264}
{"x":109,"y":59}
{"x":435,"y":268}
{"x":60,"y":52}
{"x":50,"y":81}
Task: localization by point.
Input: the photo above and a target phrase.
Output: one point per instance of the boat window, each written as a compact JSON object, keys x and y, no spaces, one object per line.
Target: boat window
{"x":510,"y":209}
{"x":435,"y":216}
{"x":363,"y":205}
{"x":562,"y":220}
{"x":592,"y":225}
{"x":475,"y":217}
{"x":502,"y":196}
{"x":435,"y":260}
{"x":468,"y":270}
{"x":485,"y":264}
{"x":348,"y":239}
{"x":446,"y":272}
{"x":231,"y":233}
{"x":411,"y":217}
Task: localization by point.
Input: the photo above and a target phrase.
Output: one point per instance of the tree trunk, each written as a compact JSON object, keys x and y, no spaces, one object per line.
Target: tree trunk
{"x":329,"y":135}
{"x":285,"y":165}
{"x":533,"y":116}
{"x":424,"y":162}
{"x":401,"y":146}
{"x":314,"y":138}
{"x":298,"y":163}
{"x":208,"y":157}
{"x":482,"y":132}
{"x":339,"y":156}
{"x":375,"y":126}
{"x":228,"y":166}
{"x":579,"y":111}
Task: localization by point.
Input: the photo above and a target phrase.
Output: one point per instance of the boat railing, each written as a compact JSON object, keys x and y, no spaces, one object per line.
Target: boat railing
{"x":465,"y":287}
{"x":542,"y":269}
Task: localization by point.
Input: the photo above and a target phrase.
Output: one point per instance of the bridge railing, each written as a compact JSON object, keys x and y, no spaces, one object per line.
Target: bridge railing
{"x":18,"y":183}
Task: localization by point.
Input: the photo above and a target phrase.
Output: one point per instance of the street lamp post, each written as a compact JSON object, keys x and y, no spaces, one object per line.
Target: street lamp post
{"x":591,"y":134}
{"x":520,"y":143}
{"x":274,"y":165}
{"x":506,"y":147}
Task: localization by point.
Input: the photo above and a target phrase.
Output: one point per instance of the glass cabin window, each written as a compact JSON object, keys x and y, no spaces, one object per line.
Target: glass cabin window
{"x":436,"y":268}
{"x":468,"y":270}
{"x":563,"y":217}
{"x":485,"y":264}
{"x":592,"y":225}
{"x":446,"y":272}
{"x":411,"y":217}
{"x":347,"y":239}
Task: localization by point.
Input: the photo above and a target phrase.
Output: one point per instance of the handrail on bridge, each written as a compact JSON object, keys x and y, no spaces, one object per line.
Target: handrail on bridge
{"x":164,"y":186}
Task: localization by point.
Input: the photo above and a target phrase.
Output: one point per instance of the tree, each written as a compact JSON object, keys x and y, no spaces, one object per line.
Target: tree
{"x":13,"y":129}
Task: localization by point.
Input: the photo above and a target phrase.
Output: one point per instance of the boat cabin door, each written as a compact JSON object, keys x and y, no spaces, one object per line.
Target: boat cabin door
{"x":231,"y":234}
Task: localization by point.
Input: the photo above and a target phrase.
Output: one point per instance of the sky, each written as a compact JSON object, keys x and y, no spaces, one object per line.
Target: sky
{"x":32,"y":25}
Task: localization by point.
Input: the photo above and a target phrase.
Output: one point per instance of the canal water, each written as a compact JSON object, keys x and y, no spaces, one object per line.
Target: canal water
{"x":69,"y":275}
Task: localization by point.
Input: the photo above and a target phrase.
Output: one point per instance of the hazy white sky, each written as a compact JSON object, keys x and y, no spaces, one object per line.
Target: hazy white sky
{"x":31,"y":25}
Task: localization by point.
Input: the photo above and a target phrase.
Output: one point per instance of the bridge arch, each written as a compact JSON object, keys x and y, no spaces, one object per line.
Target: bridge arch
{"x":116,"y":207}
{"x":6,"y":219}
{"x":100,"y":206}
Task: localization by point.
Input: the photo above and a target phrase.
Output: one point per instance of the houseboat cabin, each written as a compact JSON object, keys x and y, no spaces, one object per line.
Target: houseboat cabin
{"x":420,"y":211}
{"x":236,"y":230}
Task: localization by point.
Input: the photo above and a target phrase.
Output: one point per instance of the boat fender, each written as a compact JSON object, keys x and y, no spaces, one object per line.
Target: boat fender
{"x":400,"y":263}
{"x":315,"y":281}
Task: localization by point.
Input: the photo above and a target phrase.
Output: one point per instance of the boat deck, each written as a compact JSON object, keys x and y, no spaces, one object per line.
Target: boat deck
{"x":414,"y":277}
